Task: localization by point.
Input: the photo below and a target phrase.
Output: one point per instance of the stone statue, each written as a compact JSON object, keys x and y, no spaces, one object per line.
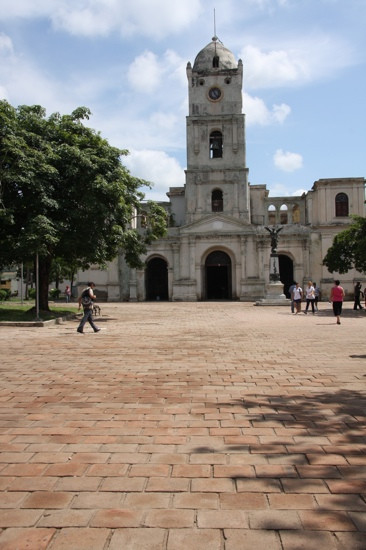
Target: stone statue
{"x":274,"y":231}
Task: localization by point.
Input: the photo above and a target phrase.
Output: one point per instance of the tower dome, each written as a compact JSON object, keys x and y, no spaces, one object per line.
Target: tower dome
{"x":214,"y":56}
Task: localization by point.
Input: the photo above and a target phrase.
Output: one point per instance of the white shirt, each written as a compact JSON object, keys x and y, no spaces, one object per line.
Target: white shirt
{"x":297,"y":293}
{"x":310,"y":294}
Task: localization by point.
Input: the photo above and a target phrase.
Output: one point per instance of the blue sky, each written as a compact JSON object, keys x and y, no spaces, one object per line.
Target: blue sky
{"x":304,"y":79}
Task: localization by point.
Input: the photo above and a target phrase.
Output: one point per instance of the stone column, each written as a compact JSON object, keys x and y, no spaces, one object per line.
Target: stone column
{"x":176,"y":263}
{"x":170,"y":283}
{"x":243,"y":244}
{"x":133,"y":286}
{"x":192,"y":258}
{"x":184,"y":268}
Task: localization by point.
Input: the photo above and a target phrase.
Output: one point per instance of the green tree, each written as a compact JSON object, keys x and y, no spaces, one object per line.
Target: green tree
{"x":348,"y":249}
{"x":65,"y":195}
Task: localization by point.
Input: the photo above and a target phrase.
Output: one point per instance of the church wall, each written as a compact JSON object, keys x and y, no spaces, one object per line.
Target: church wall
{"x":178,"y":210}
{"x":257,"y":205}
{"x":324,"y":193}
{"x":218,"y":162}
{"x":107,"y":285}
{"x":206,"y":245}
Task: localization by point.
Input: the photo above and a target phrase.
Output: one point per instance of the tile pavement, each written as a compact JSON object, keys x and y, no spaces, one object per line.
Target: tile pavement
{"x":185,"y":425}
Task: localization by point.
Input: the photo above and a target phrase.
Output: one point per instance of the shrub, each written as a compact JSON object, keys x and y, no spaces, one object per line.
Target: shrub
{"x":55,"y":293}
{"x":32,"y":293}
{"x":4,"y":294}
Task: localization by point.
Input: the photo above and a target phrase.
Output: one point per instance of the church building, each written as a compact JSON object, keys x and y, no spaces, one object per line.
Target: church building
{"x":218,"y":244}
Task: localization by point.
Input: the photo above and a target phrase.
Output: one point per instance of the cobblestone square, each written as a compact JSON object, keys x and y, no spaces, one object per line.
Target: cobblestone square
{"x":208,"y":425}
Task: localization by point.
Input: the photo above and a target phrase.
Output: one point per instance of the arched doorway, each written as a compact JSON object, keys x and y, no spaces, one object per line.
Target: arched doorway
{"x":286,"y":272}
{"x":218,"y":276}
{"x":156,"y":280}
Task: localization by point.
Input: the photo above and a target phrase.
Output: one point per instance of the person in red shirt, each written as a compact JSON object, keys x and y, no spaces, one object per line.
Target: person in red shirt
{"x":336,"y":297}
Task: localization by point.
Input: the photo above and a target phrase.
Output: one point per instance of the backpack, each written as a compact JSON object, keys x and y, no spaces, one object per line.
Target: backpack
{"x":86,"y":300}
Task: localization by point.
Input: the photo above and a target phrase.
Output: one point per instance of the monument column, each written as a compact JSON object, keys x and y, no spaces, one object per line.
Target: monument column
{"x":274,"y":288}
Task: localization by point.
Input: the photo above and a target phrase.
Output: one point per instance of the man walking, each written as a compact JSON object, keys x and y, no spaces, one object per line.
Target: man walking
{"x":358,"y":293}
{"x":86,"y":300}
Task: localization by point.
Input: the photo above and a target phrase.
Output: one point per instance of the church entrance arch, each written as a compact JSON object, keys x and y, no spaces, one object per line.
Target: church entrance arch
{"x":286,"y":272}
{"x":156,"y":280}
{"x":218,"y":285}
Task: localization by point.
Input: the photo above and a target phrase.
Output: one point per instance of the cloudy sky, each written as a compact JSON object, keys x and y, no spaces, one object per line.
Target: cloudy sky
{"x":304,"y":78}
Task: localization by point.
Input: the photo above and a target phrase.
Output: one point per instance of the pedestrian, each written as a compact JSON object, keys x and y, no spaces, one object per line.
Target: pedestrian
{"x":297,"y":293}
{"x":357,"y":296}
{"x":317,"y":296}
{"x":310,"y":297}
{"x":291,"y":292}
{"x":336,"y":297}
{"x":86,"y":300}
{"x":67,"y":293}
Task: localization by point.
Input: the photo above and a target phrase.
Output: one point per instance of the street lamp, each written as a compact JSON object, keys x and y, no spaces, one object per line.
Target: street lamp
{"x":37,"y":288}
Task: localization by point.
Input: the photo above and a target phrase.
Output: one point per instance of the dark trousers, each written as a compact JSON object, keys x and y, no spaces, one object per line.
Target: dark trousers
{"x":88,"y":317}
{"x":357,"y":303}
{"x":312,"y":305}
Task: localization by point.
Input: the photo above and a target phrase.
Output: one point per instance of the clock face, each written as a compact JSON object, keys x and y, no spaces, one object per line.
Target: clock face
{"x":214,"y":93}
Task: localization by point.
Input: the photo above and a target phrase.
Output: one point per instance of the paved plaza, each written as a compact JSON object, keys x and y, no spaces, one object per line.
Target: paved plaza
{"x":185,"y":426}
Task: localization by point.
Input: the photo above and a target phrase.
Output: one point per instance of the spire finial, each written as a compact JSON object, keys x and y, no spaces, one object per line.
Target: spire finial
{"x":215,"y":37}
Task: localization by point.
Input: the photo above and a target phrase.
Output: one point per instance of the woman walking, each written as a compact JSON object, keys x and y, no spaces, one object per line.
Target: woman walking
{"x":336,"y":297}
{"x":297,"y":297}
{"x":310,"y":297}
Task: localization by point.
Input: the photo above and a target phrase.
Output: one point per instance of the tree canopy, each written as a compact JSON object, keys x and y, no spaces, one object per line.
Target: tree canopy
{"x":64,"y":194}
{"x":348,"y":249}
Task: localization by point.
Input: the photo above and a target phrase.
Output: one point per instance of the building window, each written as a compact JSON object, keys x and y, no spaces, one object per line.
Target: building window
{"x":271,"y":215}
{"x":341,"y":205}
{"x":284,"y":214}
{"x":216,"y":147}
{"x":215,"y":62}
{"x":217,"y":202}
{"x":296,"y":214}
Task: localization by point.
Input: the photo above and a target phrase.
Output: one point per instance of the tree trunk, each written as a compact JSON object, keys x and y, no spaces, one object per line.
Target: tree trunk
{"x":72,"y":275}
{"x":26,"y":283}
{"x":44,"y":267}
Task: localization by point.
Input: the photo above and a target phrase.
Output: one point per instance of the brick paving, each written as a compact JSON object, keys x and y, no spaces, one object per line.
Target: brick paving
{"x":219,"y":426}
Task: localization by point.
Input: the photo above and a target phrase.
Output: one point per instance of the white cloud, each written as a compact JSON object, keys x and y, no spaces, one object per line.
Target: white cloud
{"x":176,"y":67}
{"x":6,"y":44}
{"x":295,"y":62}
{"x":157,"y":167}
{"x":20,"y":81}
{"x":278,"y":190}
{"x":145,"y":72}
{"x":148,"y":72}
{"x":287,"y":161}
{"x":257,"y":112}
{"x":280,"y":112}
{"x":164,"y":121}
{"x":101,"y":17}
{"x":4,"y":93}
{"x":274,"y":68}
{"x":281,"y":190}
{"x":25,"y":9}
{"x":143,"y":123}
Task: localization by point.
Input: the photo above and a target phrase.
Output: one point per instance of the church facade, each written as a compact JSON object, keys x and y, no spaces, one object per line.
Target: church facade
{"x":218,"y":245}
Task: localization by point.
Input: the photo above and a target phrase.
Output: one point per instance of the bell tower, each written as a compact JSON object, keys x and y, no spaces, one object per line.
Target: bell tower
{"x":216,"y":175}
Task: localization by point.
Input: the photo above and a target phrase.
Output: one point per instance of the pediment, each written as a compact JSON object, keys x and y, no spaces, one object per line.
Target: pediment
{"x":214,"y":225}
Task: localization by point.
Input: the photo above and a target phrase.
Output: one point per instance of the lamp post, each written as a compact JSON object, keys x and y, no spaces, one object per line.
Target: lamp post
{"x":21,"y":282}
{"x":37,"y":288}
